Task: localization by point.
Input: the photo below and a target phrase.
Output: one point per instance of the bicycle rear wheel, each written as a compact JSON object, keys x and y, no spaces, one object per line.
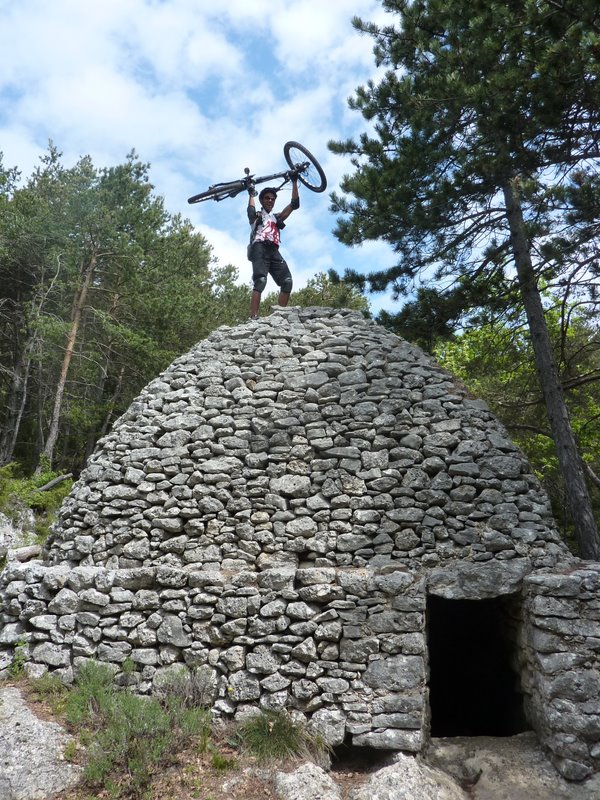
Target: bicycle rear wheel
{"x":219,"y":192}
{"x":312,"y":175}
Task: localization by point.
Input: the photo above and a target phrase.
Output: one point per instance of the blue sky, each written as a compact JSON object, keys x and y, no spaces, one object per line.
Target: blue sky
{"x":200,"y":89}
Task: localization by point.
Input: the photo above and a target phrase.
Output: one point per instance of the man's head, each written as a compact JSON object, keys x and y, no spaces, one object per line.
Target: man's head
{"x":267,"y":198}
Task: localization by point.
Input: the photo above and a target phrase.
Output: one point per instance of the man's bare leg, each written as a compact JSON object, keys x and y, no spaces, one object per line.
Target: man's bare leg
{"x":283,"y":298}
{"x":254,"y":304}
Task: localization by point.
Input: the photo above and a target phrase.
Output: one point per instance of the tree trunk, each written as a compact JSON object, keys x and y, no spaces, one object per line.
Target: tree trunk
{"x":569,"y":458}
{"x":78,"y":306}
{"x":108,"y":417}
{"x":54,"y":482}
{"x":97,"y":431}
{"x":15,"y":404}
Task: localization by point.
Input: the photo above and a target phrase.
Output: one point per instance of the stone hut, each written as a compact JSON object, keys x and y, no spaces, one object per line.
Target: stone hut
{"x":309,"y":513}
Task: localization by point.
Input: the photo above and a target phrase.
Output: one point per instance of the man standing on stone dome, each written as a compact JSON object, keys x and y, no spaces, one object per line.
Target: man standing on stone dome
{"x":263,"y":250}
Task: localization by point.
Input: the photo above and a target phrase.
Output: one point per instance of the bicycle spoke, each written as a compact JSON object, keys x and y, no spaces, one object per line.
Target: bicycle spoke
{"x":310,"y":171}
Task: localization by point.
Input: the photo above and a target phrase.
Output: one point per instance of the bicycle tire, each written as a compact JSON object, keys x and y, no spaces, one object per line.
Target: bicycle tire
{"x":313,"y":176}
{"x":219,"y":192}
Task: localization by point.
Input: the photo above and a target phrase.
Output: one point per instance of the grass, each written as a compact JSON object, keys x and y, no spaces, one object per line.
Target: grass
{"x":275,"y":735}
{"x":222,"y":763}
{"x":165,"y":746}
{"x":50,"y":690}
{"x":129,"y":739}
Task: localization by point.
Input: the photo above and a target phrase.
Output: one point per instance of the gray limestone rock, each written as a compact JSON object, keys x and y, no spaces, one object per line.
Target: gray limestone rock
{"x":463,"y":580}
{"x":395,"y":673}
{"x":409,"y":779}
{"x":31,"y":752}
{"x":308,"y":782}
{"x":511,"y":768}
{"x":331,"y":725}
{"x":171,"y":632}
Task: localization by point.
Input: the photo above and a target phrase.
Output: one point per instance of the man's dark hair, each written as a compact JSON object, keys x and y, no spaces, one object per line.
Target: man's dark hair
{"x":267,"y":190}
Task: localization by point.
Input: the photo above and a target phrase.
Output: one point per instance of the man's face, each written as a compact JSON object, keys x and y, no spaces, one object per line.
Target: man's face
{"x":268,"y":201}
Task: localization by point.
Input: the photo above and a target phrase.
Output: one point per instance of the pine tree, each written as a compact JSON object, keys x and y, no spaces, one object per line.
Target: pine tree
{"x":482,"y":166}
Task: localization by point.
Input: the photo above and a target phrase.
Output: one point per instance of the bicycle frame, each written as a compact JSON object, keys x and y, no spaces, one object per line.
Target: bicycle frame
{"x":316,"y":182}
{"x":233,"y":188}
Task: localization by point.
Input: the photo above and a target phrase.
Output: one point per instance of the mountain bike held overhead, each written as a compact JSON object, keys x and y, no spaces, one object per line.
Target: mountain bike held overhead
{"x":265,"y":224}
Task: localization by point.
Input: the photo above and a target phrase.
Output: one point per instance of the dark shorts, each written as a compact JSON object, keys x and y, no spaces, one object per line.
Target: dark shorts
{"x":267,"y":260}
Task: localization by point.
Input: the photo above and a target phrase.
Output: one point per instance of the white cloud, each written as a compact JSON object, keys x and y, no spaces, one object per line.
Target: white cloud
{"x":307,"y":37}
{"x":231,"y":248}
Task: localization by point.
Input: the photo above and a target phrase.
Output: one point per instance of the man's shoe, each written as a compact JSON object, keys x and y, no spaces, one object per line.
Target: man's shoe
{"x":253,"y":316}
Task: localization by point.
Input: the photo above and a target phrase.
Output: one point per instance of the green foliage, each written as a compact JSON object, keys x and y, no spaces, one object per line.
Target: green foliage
{"x":221,"y":763}
{"x":19,"y":492}
{"x":135,"y":737}
{"x":50,"y":689}
{"x":127,"y":740}
{"x":272,"y":735}
{"x":130,"y":738}
{"x":496,"y":363}
{"x":6,"y":480}
{"x":92,"y":694}
{"x":151,"y":291}
{"x":70,"y":750}
{"x":326,"y":290}
{"x":191,"y":687}
{"x":16,"y":487}
{"x":466,"y":105}
{"x":20,"y":658}
{"x":483,"y":178}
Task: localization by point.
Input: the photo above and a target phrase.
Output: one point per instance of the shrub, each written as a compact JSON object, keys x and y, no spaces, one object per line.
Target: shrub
{"x":134,"y":741}
{"x":271,"y":735}
{"x":90,"y":697}
{"x":133,"y":736}
{"x":70,"y":751}
{"x":20,"y":655}
{"x":50,"y":689}
{"x":193,"y":688}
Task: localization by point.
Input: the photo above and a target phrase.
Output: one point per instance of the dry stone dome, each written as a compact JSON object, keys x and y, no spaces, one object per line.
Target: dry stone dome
{"x":307,"y":440}
{"x":311,"y":512}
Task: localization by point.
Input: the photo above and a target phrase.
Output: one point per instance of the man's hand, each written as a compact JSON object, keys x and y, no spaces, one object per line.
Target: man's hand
{"x":252,"y":189}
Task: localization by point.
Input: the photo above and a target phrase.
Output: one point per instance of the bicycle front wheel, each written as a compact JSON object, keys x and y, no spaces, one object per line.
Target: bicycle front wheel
{"x":310,"y":172}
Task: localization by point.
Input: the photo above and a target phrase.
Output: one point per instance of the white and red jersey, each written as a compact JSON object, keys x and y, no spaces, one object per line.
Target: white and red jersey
{"x":268,"y":229}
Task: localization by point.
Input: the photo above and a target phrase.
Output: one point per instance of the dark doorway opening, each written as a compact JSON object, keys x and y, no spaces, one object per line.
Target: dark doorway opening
{"x":474,"y":686}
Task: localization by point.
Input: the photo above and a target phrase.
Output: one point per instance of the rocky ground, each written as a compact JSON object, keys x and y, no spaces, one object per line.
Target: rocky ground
{"x":511,"y":768}
{"x":33,"y":767}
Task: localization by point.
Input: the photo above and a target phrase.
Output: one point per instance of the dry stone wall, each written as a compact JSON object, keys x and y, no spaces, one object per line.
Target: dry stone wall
{"x":305,"y":439}
{"x":272,"y":512}
{"x":563,"y":652}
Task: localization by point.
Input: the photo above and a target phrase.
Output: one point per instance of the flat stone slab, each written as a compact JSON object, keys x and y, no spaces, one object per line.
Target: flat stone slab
{"x":32,"y":763}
